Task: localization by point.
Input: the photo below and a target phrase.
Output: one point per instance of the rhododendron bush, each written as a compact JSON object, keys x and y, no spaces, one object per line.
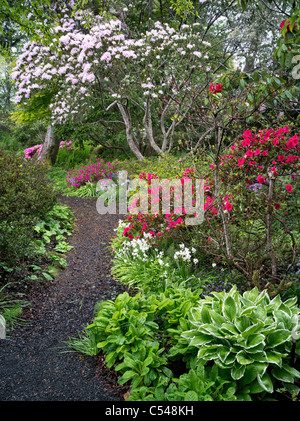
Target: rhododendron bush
{"x":90,"y":173}
{"x":92,"y":58}
{"x":251,"y":208}
{"x":34,"y":151}
{"x":153,"y":220}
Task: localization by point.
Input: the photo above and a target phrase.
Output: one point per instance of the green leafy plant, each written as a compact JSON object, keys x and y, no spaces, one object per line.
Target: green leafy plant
{"x":57,"y":222}
{"x":249,"y":335}
{"x":11,"y":307}
{"x":145,"y":366}
{"x":198,"y":384}
{"x":124,"y":325}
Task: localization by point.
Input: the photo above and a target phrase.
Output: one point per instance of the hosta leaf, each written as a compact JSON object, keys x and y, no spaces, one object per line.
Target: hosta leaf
{"x":251,"y":295}
{"x":229,"y":308}
{"x":283,"y":317}
{"x":201,"y":339}
{"x":278,"y":337}
{"x":255,"y":387}
{"x":250,"y":374}
{"x":238,"y":371}
{"x":246,"y":303}
{"x":259,"y":356}
{"x":260,"y":367}
{"x":217,"y":318}
{"x":243,"y":358}
{"x":274,"y":358}
{"x":248,"y":310}
{"x":242,"y":323}
{"x":258,"y":348}
{"x":205,"y":315}
{"x":286,"y":374}
{"x":223,"y":353}
{"x":252,"y":329}
{"x":229,"y":359}
{"x":291,"y":302}
{"x":260,"y":313}
{"x":265,"y":382}
{"x":285,"y":308}
{"x":254,"y":340}
{"x":221,"y":364}
{"x":209,"y":352}
{"x":274,"y":303}
{"x":230,"y":329}
{"x":211,"y":329}
{"x":188,"y":334}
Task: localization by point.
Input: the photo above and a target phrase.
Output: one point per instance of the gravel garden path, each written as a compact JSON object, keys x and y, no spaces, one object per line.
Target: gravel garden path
{"x":32,"y":366}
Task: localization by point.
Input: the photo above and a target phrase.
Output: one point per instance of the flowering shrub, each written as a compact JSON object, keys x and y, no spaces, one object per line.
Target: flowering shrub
{"x":250,"y":206}
{"x":91,"y":173}
{"x":156,"y":223}
{"x":35,"y":151}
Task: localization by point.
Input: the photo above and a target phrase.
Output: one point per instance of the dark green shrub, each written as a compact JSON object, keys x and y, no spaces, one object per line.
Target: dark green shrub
{"x":25,"y":196}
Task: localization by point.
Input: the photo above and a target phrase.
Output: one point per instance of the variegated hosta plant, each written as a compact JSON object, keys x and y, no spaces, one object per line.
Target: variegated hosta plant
{"x":251,"y":335}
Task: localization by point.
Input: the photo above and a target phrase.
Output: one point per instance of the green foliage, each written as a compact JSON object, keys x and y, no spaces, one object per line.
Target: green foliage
{"x":248,"y":335}
{"x":198,"y":384}
{"x":145,"y":366}
{"x":132,"y":331}
{"x":28,"y":134}
{"x":70,"y":158}
{"x":25,"y":196}
{"x":11,"y":307}
{"x":57,"y":222}
{"x":124,"y":325}
{"x":165,"y":166}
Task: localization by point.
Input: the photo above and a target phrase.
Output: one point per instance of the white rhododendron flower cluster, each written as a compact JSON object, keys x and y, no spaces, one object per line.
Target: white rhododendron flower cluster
{"x":91,"y":54}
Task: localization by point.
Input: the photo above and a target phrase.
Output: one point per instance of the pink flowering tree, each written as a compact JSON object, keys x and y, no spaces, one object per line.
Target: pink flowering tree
{"x":92,"y":59}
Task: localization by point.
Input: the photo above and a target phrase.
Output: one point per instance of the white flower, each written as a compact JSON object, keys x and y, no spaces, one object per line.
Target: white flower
{"x":214,"y":264}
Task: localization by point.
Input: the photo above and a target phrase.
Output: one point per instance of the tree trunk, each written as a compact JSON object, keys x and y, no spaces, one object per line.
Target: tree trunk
{"x":129,"y":135}
{"x":50,"y":147}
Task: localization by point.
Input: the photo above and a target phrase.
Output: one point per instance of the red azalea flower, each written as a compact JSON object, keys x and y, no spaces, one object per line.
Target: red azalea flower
{"x":261,"y":179}
{"x":215,"y":88}
{"x":288,"y":25}
{"x":289,"y":188}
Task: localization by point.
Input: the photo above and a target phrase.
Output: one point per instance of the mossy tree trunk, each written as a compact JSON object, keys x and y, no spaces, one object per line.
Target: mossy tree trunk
{"x":50,"y":147}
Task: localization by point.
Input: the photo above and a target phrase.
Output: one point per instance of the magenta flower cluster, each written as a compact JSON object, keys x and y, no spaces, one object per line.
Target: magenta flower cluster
{"x":35,"y":150}
{"x":91,"y":173}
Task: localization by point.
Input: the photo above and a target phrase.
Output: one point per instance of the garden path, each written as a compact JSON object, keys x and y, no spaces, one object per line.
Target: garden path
{"x":32,"y":366}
